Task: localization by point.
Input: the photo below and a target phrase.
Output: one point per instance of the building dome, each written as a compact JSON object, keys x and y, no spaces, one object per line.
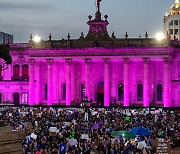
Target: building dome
{"x":175,"y":9}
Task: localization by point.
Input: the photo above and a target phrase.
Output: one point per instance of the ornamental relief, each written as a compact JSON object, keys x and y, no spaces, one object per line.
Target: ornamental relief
{"x":145,"y":53}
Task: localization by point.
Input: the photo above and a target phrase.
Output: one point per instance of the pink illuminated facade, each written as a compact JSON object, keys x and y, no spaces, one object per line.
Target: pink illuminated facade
{"x":106,"y":69}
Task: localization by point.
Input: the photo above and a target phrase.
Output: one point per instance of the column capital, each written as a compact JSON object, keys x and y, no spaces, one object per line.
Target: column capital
{"x":167,"y":60}
{"x":146,"y":60}
{"x":87,"y":61}
{"x":50,"y":61}
{"x":68,"y":61}
{"x":106,"y":60}
{"x":38,"y":63}
{"x":31,"y":61}
{"x":126,"y":60}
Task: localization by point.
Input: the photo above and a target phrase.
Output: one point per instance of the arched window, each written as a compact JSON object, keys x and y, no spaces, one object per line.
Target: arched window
{"x":24,"y":98}
{"x":83,"y":91}
{"x":16,"y":98}
{"x":16,"y":70}
{"x":159,"y":92}
{"x":120,"y":92}
{"x":0,"y":97}
{"x":64,"y":91}
{"x":45,"y":91}
{"x":139,"y":92}
{"x":25,"y":70}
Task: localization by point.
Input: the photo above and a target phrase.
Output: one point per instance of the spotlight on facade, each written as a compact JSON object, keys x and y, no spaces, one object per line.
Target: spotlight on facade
{"x":160,"y":36}
{"x":37,"y":38}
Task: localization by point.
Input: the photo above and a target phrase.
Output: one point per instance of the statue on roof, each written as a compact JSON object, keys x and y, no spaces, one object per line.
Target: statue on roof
{"x":98,"y":5}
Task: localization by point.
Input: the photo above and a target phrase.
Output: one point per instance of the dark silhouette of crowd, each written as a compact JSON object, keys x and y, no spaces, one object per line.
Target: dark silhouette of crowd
{"x":89,"y":130}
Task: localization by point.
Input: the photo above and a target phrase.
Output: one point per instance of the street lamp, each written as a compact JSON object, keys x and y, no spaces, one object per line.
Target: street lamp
{"x":160,"y":36}
{"x":37,"y":38}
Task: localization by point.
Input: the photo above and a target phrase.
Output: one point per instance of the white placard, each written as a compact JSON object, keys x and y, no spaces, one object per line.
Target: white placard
{"x":53,"y":129}
{"x":141,"y":145}
{"x":34,"y":136}
{"x":85,"y":136}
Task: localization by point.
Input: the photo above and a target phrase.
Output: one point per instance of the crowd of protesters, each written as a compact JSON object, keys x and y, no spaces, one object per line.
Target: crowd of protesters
{"x":89,"y":130}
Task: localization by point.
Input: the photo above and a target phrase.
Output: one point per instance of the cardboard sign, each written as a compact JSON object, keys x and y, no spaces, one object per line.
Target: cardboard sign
{"x":163,"y":147}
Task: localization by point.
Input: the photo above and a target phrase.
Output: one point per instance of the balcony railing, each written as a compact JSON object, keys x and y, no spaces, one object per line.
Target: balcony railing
{"x":20,"y":78}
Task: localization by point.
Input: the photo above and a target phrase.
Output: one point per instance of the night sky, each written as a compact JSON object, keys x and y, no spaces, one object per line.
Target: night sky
{"x":59,"y":17}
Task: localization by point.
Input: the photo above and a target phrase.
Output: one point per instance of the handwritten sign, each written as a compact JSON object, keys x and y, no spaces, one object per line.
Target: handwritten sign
{"x":163,"y":147}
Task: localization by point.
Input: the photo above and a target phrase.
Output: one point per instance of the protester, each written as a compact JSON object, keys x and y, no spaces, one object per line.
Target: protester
{"x":89,"y":130}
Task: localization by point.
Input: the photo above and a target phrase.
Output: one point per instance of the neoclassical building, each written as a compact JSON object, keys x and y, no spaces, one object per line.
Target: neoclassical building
{"x":171,"y":24}
{"x":126,"y":71}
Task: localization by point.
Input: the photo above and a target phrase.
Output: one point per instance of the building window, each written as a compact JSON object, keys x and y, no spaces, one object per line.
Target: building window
{"x":140,"y":92}
{"x":176,"y":22}
{"x":16,"y":70}
{"x":64,"y":91}
{"x":16,"y":98}
{"x":171,"y":31}
{"x":24,"y":98}
{"x":159,"y":92}
{"x":176,"y":31}
{"x":0,"y":97}
{"x":45,"y":91}
{"x":120,"y":92}
{"x":171,"y":23}
{"x":25,"y":70}
{"x":83,"y":91}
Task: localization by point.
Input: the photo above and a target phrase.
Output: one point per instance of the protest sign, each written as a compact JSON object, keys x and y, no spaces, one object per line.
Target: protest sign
{"x":34,"y":136}
{"x":141,"y":145}
{"x":54,"y":130}
{"x":72,"y":142}
{"x":163,"y":147}
{"x":85,"y":136}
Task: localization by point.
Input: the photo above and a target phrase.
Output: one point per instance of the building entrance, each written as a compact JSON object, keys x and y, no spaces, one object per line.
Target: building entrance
{"x":100,"y":93}
{"x":16,"y":98}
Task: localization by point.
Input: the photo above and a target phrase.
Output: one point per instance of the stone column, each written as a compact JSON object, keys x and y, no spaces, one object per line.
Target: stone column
{"x":87,"y":77}
{"x":38,"y":83}
{"x":31,"y":82}
{"x":50,"y":83}
{"x":146,"y":94}
{"x":106,"y":83}
{"x":55,"y":82}
{"x":68,"y":81}
{"x":126,"y":81}
{"x":167,"y":83}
